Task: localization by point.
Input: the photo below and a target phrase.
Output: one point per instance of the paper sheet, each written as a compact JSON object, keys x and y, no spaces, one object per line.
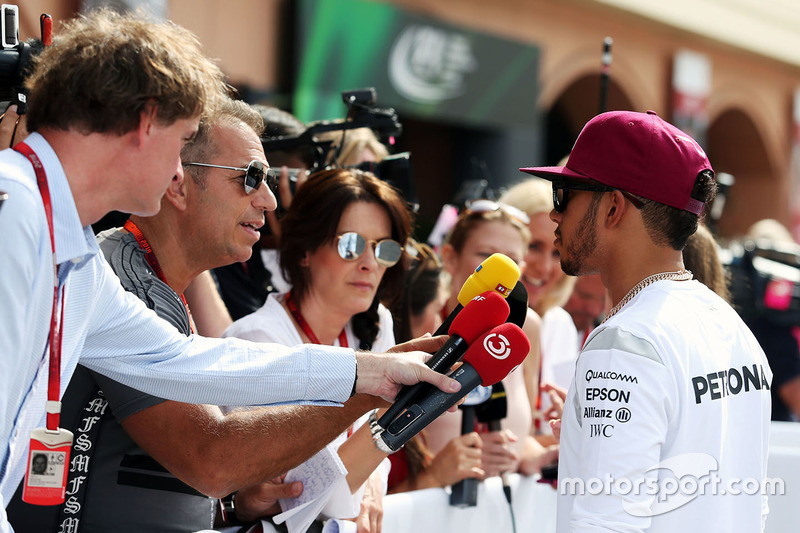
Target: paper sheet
{"x":320,"y":475}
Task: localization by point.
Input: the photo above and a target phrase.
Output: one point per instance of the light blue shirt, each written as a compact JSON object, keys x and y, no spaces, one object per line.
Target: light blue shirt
{"x":112,"y":331}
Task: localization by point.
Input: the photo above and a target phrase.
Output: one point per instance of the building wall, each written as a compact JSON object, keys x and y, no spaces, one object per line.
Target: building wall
{"x":751,"y":94}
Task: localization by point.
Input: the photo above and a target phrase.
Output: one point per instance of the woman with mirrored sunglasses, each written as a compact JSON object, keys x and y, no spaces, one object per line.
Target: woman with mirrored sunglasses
{"x":342,"y":251}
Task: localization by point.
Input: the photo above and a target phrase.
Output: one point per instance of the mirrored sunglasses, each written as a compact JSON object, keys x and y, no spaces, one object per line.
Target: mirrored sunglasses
{"x":254,"y":173}
{"x":351,"y":245}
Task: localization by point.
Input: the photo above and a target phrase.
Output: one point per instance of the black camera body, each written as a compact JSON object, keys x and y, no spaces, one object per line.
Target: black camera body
{"x":15,"y":56}
{"x":362,"y":113}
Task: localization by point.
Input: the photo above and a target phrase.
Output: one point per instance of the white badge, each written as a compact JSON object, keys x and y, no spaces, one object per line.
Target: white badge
{"x":48,"y":465}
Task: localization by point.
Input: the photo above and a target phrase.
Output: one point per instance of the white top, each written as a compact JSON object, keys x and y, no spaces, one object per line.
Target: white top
{"x":559,"y":352}
{"x":673,"y":391}
{"x":111,"y":331}
{"x":271,"y":323}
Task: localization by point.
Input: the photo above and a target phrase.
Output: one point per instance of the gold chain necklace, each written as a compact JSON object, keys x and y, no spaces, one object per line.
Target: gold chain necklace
{"x":678,"y":275}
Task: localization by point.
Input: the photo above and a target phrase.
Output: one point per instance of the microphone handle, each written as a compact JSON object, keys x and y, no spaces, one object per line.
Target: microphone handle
{"x":428,"y":408}
{"x":465,"y":492}
{"x":494,"y":425}
{"x":445,"y":327}
{"x":441,"y":362}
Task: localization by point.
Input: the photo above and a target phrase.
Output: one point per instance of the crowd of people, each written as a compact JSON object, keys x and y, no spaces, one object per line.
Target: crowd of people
{"x":253,"y":310}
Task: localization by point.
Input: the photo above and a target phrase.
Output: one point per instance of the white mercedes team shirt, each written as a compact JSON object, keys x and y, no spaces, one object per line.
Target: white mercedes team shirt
{"x":666,"y":426}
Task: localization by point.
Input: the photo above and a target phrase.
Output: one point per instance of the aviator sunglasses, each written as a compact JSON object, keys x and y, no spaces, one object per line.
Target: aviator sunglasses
{"x":561,"y":194}
{"x":351,"y":245}
{"x":254,"y":174}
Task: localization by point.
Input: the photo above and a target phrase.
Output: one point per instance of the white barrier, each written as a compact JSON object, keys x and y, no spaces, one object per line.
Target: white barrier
{"x":428,"y":511}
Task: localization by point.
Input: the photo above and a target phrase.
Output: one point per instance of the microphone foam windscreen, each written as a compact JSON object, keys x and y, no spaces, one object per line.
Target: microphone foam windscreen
{"x":497,"y":352}
{"x":481,"y":314}
{"x":518,"y":305}
{"x":497,"y":273}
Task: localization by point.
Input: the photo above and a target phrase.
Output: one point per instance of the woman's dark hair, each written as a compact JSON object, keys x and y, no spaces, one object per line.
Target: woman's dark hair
{"x":312,"y":221}
{"x":422,"y":285}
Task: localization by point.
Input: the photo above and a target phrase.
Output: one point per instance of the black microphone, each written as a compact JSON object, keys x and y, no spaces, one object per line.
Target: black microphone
{"x":491,"y":413}
{"x":465,"y":492}
{"x":518,"y":305}
{"x":481,"y":314}
{"x":488,"y":360}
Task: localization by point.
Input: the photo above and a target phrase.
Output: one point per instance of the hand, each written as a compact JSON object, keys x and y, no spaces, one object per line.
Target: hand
{"x":498,"y":454}
{"x":557,"y":398}
{"x":383,"y":374}
{"x":555,"y":425}
{"x":261,"y":500}
{"x":12,"y":127}
{"x":459,"y":459}
{"x":285,"y":193}
{"x":370,"y":518}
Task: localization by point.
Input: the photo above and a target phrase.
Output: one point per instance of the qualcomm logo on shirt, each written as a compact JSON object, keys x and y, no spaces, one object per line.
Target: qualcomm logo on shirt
{"x":610,"y":375}
{"x":428,"y":64}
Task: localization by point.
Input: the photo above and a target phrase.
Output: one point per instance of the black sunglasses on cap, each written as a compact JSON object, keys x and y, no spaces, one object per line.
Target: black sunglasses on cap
{"x":561,"y":193}
{"x":351,"y":246}
{"x":254,"y":174}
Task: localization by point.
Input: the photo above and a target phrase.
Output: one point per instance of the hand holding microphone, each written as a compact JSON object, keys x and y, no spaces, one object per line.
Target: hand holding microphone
{"x":481,"y":314}
{"x":488,"y":360}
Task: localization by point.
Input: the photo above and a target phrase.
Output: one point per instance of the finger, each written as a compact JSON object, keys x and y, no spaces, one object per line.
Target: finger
{"x":274,"y":225}
{"x":284,"y":189}
{"x":421,"y":344}
{"x":440,"y":381}
{"x":7,"y":126}
{"x":21,"y":131}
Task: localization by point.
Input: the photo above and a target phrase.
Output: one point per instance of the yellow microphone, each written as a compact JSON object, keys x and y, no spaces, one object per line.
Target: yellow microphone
{"x":496,"y":273}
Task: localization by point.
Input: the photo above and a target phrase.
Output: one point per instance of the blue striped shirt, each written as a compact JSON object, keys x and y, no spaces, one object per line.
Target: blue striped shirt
{"x":112,"y":331}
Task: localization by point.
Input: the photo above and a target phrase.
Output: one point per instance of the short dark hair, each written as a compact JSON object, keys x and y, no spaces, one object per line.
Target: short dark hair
{"x":670,"y":226}
{"x":202,"y":147}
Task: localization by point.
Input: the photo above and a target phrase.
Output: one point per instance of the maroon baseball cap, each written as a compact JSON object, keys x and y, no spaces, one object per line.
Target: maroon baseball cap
{"x":639,"y":153}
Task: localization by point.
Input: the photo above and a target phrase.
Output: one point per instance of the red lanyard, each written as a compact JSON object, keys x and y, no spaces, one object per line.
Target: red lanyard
{"x":56,"y":318}
{"x":298,"y":317}
{"x":150,"y":257}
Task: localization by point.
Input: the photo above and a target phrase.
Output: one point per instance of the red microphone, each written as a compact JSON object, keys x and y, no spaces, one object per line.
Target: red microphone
{"x":481,"y":314}
{"x":489,"y":359}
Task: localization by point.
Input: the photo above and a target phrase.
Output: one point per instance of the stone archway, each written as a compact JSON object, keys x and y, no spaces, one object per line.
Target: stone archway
{"x":576,"y":105}
{"x":736,"y":146}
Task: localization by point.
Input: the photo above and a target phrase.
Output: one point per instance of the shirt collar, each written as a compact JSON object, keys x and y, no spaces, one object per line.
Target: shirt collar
{"x":73,"y":242}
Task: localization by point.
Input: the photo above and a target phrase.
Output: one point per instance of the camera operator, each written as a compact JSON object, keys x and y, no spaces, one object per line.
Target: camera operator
{"x":779,"y":341}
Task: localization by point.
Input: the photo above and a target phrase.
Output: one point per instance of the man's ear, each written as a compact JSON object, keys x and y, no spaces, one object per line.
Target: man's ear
{"x":147,"y":119}
{"x":304,"y":261}
{"x":177,"y":192}
{"x":615,"y":208}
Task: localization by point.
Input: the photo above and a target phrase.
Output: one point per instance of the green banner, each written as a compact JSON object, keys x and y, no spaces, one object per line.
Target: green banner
{"x":421,"y":67}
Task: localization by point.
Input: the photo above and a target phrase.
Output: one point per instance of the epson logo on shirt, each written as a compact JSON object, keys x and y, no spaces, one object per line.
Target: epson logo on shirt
{"x":591,"y":374}
{"x":731,"y":381}
{"x":612,"y":395}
